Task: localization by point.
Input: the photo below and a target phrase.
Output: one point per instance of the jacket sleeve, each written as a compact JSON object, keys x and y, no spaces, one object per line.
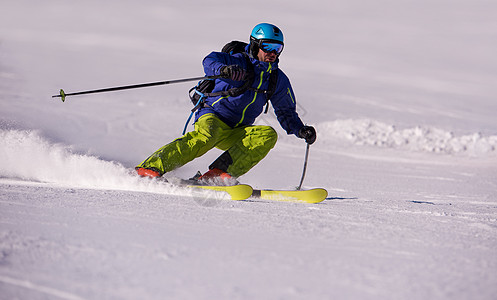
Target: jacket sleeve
{"x":285,"y":105}
{"x":216,"y":60}
{"x":213,"y":62}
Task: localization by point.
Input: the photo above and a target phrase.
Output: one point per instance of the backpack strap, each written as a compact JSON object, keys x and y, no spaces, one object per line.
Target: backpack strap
{"x":273,"y":80}
{"x":204,"y":88}
{"x":201,"y":91}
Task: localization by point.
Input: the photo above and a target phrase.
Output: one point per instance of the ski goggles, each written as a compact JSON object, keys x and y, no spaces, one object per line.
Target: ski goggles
{"x":270,"y":47}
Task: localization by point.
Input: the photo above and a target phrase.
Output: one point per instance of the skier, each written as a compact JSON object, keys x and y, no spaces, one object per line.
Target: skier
{"x":224,"y":119}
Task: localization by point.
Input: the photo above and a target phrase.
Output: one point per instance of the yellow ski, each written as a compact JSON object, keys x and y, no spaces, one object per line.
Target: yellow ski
{"x":308,"y":196}
{"x":235,"y":192}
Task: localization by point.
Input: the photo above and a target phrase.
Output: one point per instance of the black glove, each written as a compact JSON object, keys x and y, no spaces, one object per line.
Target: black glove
{"x":233,"y":72}
{"x":308,"y":133}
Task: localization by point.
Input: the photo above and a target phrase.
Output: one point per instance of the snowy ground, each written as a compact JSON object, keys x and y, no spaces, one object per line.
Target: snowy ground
{"x":402,"y":94}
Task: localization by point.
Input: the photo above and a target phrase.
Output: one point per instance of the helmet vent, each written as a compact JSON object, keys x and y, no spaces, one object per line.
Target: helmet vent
{"x":266,"y":31}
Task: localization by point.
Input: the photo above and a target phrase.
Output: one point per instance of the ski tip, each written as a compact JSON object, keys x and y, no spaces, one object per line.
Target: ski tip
{"x":321,"y":194}
{"x":241,"y":192}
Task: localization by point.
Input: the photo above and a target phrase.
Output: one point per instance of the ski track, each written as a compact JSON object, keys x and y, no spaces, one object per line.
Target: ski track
{"x":341,"y":245}
{"x":57,"y":232}
{"x":406,"y":147}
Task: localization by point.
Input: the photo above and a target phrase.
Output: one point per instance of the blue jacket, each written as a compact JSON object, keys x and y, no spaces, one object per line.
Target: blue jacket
{"x":244,"y":109}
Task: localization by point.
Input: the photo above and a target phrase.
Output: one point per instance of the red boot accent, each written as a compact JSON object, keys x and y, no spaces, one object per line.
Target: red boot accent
{"x":143,"y":172}
{"x":215,"y":173}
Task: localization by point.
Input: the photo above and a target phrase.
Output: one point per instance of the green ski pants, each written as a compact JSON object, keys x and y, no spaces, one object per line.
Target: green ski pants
{"x":244,"y":147}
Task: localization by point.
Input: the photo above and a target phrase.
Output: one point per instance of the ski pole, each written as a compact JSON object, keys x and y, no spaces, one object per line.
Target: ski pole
{"x":305,"y":166}
{"x":63,"y":95}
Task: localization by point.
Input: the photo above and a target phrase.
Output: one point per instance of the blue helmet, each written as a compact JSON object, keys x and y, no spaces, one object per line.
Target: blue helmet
{"x":267,"y":37}
{"x":265,"y":31}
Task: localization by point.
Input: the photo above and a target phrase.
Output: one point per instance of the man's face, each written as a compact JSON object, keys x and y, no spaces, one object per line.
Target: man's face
{"x":267,"y":56}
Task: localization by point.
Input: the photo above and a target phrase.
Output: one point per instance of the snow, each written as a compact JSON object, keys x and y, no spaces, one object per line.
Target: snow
{"x":402,"y":94}
{"x":418,"y":139}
